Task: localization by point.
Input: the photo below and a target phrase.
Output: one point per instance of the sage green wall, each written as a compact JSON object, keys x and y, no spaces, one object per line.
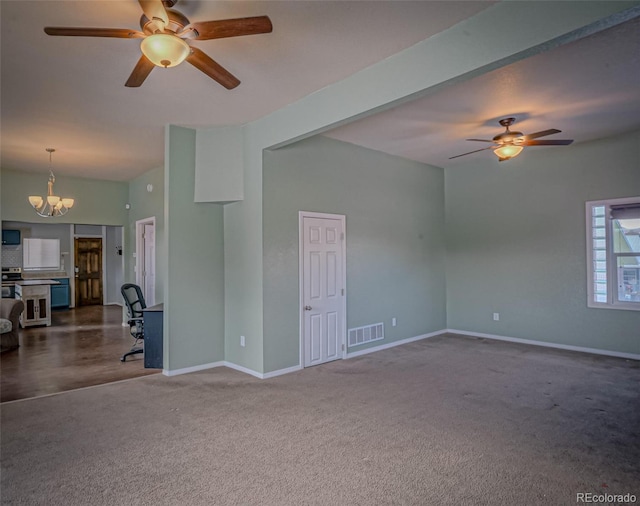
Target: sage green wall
{"x":243,"y":265}
{"x":194,"y":295}
{"x":98,"y":202}
{"x":504,"y":33}
{"x":516,"y":243}
{"x":395,"y":239}
{"x":145,"y":204}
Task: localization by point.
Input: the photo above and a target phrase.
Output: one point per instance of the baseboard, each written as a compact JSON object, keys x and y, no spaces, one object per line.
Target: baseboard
{"x":395,"y":343}
{"x":195,"y":368}
{"x":280,"y":372}
{"x":243,"y":369}
{"x":596,"y":351}
{"x":261,"y":375}
{"x":231,"y":365}
{"x":373,"y":349}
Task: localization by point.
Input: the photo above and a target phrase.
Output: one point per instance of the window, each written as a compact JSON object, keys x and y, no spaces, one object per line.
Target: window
{"x":613,"y":253}
{"x":41,"y":254}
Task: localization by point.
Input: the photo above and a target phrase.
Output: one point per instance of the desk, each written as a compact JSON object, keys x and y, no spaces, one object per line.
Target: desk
{"x":153,"y":340}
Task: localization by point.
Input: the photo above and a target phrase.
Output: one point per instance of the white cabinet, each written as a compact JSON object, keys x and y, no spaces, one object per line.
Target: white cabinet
{"x":37,"y":304}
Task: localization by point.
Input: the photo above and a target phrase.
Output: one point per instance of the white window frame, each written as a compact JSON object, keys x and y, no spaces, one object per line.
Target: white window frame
{"x":611,"y":260}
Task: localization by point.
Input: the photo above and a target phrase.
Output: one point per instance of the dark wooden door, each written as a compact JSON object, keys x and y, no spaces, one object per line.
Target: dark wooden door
{"x":88,"y":258}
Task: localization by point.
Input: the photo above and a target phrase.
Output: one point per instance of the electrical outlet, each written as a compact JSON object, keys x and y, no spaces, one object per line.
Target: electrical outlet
{"x":393,"y":322}
{"x":242,"y":341}
{"x":496,"y":317}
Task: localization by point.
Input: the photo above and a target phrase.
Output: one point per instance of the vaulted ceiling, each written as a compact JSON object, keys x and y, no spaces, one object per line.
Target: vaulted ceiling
{"x":69,"y":93}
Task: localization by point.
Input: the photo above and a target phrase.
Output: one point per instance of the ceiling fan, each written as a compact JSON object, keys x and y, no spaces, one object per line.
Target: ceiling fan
{"x":164,"y":35}
{"x":510,"y":143}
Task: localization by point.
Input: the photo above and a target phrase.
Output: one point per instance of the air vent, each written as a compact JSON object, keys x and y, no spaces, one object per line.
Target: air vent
{"x":366,"y":334}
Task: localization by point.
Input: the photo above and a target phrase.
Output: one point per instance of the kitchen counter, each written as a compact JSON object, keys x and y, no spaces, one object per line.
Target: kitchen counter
{"x":36,"y":295}
{"x":44,"y":275}
{"x":36,"y":282}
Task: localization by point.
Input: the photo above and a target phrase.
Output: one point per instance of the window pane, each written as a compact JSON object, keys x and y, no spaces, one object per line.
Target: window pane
{"x":625,"y":240}
{"x":629,"y":279}
{"x":601,"y":276}
{"x":599,"y":253}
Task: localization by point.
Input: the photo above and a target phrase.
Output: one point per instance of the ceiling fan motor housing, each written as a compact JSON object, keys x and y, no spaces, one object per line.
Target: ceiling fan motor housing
{"x":177,"y":22}
{"x":509,"y":137}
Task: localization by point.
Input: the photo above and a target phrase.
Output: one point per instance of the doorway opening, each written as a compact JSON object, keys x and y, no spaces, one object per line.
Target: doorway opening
{"x":146,"y":258}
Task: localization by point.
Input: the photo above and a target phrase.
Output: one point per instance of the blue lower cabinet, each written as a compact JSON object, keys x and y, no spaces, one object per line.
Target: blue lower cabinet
{"x":60,"y":294}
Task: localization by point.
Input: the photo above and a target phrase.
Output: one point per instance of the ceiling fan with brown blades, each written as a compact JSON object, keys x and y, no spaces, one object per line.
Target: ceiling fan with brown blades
{"x":510,"y":143}
{"x":165,"y":35}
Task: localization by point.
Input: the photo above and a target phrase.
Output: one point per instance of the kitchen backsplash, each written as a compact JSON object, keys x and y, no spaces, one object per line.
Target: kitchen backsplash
{"x":12,"y":256}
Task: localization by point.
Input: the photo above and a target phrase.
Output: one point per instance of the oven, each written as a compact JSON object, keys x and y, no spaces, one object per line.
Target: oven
{"x":9,"y":277}
{"x":8,"y":291}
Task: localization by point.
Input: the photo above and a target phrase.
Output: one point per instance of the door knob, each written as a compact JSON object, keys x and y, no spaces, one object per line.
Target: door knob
{"x":307,"y":308}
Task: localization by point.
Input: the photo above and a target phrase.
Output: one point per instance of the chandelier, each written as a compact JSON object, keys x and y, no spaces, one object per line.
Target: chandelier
{"x":52,"y":205}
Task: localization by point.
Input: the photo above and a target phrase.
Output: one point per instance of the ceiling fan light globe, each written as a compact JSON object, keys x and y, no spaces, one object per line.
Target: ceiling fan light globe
{"x":507,"y":151}
{"x":165,"y":50}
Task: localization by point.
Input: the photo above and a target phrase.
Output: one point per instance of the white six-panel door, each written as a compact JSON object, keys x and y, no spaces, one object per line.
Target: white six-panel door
{"x":322,"y":287}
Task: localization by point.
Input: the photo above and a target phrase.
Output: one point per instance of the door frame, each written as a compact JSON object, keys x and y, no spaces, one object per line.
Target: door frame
{"x":140,"y":256}
{"x":343,"y":220}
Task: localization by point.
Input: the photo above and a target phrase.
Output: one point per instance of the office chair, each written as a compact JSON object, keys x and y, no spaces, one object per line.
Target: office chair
{"x":134,"y":300}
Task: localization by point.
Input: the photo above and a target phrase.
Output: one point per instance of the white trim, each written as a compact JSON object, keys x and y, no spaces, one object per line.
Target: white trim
{"x":395,"y":343}
{"x":72,"y":267}
{"x":596,"y":351}
{"x":195,"y":368}
{"x":104,"y":264}
{"x":280,"y":372}
{"x":612,"y":274}
{"x":373,"y":349}
{"x":231,"y":365}
{"x":240,"y":368}
{"x":343,"y":221}
{"x":139,"y":265}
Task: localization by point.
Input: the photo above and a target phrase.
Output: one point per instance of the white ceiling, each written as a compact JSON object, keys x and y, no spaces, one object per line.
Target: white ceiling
{"x":69,"y":93}
{"x":589,"y":89}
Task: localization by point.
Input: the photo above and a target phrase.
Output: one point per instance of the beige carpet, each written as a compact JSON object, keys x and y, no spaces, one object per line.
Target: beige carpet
{"x":450,"y":420}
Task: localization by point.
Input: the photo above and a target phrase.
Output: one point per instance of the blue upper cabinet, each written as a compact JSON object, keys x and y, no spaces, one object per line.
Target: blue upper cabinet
{"x":10,"y":237}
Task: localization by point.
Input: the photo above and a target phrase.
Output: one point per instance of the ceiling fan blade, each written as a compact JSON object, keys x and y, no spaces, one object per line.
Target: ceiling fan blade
{"x":535,"y":135}
{"x":214,"y":70}
{"x":480,"y":140}
{"x":120,"y":33}
{"x":465,"y":154}
{"x":155,"y":11}
{"x":231,"y":27}
{"x":554,"y":142}
{"x":140,"y":72}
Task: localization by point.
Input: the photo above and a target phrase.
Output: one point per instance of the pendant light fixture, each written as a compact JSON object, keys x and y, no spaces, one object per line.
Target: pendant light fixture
{"x":51,"y":205}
